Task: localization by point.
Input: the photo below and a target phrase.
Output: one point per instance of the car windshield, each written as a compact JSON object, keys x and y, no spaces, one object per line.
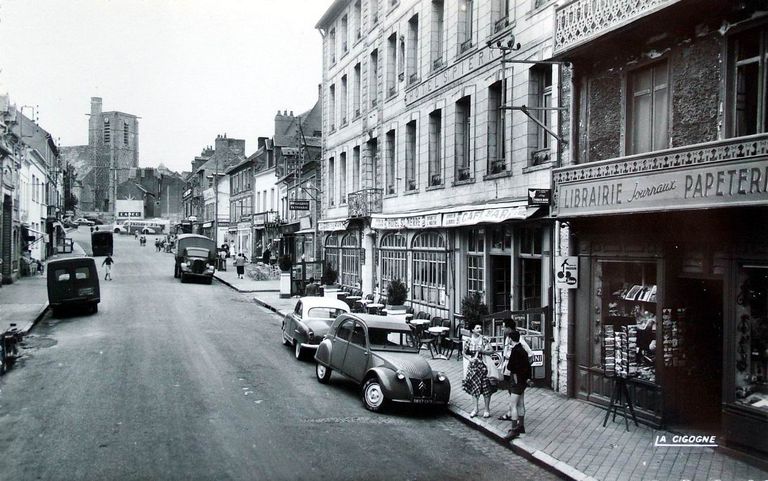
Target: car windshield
{"x":325,"y":312}
{"x":392,"y":340}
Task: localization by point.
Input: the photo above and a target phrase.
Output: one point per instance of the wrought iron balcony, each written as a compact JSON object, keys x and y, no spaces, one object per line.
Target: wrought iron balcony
{"x":581,"y":21}
{"x":365,"y":202}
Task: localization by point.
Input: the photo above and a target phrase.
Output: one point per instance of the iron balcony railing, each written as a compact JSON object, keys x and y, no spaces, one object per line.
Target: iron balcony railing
{"x":580,"y":21}
{"x":365,"y":202}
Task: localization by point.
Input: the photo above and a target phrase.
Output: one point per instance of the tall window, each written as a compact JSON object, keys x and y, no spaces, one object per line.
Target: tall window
{"x":332,"y":45}
{"x":332,"y":107}
{"x":344,"y":35}
{"x":500,"y":15}
{"x":125,"y":133}
{"x":356,"y":90}
{"x":331,"y":182}
{"x":541,"y":98}
{"x":343,"y":100}
{"x":107,"y":131}
{"x":648,"y":109}
{"x":530,"y":267}
{"x":391,"y":172}
{"x":476,"y":260}
{"x":429,"y":268}
{"x":413,"y":49}
{"x":410,"y":155}
{"x":435,"y":148}
{"x":358,"y":21}
{"x":373,"y":154}
{"x":374,"y":11}
{"x":356,"y":169}
{"x":332,"y":251}
{"x":394,"y":258}
{"x":462,"y":142}
{"x":343,"y":178}
{"x":350,"y":260}
{"x":496,"y":129}
{"x":749,"y":51}
{"x":465,"y":25}
{"x":437,"y":34}
{"x":373,"y":79}
{"x":391,"y":65}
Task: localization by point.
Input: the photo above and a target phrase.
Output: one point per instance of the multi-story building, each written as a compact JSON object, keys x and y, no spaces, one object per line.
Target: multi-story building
{"x":192,"y":197}
{"x":429,"y":149}
{"x":663,"y":208}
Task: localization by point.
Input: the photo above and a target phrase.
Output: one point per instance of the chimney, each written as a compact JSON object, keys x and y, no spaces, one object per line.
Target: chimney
{"x":291,"y":113}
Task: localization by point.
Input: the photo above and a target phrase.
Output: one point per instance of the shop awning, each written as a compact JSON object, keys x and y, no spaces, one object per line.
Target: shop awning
{"x":456,"y":216}
{"x":305,"y":231}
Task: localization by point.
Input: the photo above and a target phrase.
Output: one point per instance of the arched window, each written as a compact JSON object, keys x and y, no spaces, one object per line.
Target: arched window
{"x":332,"y":251}
{"x":350,"y":260}
{"x":394,"y":259}
{"x":429,"y":268}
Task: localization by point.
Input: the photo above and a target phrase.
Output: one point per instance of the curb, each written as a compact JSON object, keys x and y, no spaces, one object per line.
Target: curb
{"x":28,"y":327}
{"x":522,"y":449}
{"x":242,"y":290}
{"x":271,"y":308}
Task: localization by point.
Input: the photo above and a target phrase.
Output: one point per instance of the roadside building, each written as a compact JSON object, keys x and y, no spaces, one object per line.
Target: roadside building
{"x":192,"y":197}
{"x":426,"y":166}
{"x":663,"y":207}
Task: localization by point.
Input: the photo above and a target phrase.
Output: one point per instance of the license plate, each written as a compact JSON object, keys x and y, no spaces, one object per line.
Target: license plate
{"x":86,"y":291}
{"x":422,"y":401}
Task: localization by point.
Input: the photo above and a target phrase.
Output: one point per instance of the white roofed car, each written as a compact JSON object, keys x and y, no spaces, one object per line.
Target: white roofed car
{"x":305,"y":327}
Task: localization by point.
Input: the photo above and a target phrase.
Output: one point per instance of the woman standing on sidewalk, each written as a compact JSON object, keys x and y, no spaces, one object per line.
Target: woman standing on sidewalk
{"x":476,"y":381}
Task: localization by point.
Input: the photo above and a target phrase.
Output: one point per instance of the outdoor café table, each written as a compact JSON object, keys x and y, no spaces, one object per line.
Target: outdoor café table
{"x":375,"y":306}
{"x":420,"y":322}
{"x":438,"y":331}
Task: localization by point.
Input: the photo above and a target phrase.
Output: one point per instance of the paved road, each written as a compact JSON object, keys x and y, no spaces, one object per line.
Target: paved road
{"x":190,"y":382}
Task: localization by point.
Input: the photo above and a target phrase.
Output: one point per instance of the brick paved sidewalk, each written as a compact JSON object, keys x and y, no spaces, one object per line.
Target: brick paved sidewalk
{"x":567,"y":435}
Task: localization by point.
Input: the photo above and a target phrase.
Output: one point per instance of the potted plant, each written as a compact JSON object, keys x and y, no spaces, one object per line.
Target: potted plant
{"x":285,"y":263}
{"x":397,"y":293}
{"x":473,"y":309}
{"x":330,"y":289}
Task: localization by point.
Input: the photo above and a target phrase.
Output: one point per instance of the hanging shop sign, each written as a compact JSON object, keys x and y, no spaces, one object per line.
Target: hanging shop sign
{"x":732,"y":183}
{"x":207,"y":225}
{"x":187,"y":193}
{"x":539,"y":196}
{"x":567,"y":272}
{"x":409,"y":222}
{"x":298,"y":205}
{"x":472,"y":217}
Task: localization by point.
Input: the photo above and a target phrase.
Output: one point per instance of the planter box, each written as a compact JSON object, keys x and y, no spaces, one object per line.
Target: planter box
{"x":285,"y":285}
{"x":331,"y":292}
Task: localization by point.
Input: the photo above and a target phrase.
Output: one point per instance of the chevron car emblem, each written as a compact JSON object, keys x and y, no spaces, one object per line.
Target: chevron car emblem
{"x":422,"y":386}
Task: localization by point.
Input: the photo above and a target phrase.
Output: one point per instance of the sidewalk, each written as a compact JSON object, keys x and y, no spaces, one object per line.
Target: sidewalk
{"x":25,"y":301}
{"x":229,"y":277}
{"x":567,"y":435}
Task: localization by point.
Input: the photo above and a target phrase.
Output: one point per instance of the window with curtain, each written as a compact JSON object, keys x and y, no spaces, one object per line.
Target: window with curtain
{"x":429,"y":268}
{"x":350,"y":260}
{"x":394,"y":258}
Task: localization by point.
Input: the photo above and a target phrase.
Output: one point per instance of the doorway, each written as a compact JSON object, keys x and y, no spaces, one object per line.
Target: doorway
{"x":696,"y":386}
{"x":501,"y":283}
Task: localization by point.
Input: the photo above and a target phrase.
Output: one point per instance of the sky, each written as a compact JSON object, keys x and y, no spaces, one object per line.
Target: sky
{"x":190,"y":69}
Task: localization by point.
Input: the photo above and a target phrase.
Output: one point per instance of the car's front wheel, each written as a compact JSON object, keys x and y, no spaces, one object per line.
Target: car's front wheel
{"x":323,"y":373}
{"x":373,"y":395}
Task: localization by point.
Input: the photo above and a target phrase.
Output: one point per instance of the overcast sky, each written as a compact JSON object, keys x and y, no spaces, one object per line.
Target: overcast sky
{"x":191,"y":69}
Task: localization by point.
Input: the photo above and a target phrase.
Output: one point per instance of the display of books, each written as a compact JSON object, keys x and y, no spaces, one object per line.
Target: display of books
{"x":642,"y":293}
{"x":620,"y":351}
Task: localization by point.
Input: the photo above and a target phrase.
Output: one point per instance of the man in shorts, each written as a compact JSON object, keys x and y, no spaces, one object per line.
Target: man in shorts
{"x":108,"y":267}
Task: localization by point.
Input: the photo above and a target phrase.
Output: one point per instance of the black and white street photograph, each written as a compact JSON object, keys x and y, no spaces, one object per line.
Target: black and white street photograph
{"x":418,"y":240}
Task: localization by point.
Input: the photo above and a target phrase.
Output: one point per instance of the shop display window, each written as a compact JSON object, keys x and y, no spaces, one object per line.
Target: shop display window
{"x":625,"y":312}
{"x":752,"y":337}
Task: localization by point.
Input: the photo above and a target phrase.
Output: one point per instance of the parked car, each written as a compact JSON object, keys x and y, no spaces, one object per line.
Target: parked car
{"x":310,"y":320}
{"x":73,"y":281}
{"x":195,"y":257}
{"x":95,"y":220}
{"x":382,"y":355}
{"x":68,"y":223}
{"x":84,"y":221}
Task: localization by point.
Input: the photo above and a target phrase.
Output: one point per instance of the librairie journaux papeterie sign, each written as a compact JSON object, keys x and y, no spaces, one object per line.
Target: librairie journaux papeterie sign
{"x":724,"y":183}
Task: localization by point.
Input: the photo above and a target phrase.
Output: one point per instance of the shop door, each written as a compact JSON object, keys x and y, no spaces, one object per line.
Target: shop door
{"x":501,"y":282}
{"x":697,"y":386}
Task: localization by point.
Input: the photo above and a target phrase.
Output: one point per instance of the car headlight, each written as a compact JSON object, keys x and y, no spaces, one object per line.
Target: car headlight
{"x":400,"y":375}
{"x":441,"y":377}
{"x":310,"y":333}
{"x":183,"y":265}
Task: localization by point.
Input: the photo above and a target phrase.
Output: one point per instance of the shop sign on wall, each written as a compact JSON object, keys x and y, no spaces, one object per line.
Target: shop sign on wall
{"x":567,"y":272}
{"x":411,"y":222}
{"x":538,"y":359}
{"x":724,"y":183}
{"x":453,"y":219}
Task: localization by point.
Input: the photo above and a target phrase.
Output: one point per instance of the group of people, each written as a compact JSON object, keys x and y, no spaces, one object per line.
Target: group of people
{"x":515,"y":371}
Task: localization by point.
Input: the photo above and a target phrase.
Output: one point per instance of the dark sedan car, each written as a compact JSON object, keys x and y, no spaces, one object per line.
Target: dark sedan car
{"x":382,"y":355}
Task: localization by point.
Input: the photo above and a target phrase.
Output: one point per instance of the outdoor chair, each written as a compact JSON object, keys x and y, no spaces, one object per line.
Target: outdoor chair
{"x":425,"y":339}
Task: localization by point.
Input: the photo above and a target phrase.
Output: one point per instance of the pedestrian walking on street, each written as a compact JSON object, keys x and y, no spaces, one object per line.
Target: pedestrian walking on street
{"x":223,"y":260}
{"x":108,"y":267}
{"x":240,"y":264}
{"x":509,"y":327}
{"x":311,"y":289}
{"x":476,"y":348}
{"x":265,"y":257}
{"x":517,"y":371}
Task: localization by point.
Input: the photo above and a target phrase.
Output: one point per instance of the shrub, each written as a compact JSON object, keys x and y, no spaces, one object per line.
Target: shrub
{"x":285,"y":263}
{"x":329,"y":274}
{"x":396,"y":292}
{"x":473,"y":309}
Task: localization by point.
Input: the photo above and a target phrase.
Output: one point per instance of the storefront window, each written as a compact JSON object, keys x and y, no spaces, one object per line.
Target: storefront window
{"x":625,"y":304}
{"x":752,"y":337}
{"x":429,"y":268}
{"x":501,"y":238}
{"x":332,"y":250}
{"x":530,"y":267}
{"x":350,"y":260}
{"x":476,"y":260}
{"x":394,"y":256}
